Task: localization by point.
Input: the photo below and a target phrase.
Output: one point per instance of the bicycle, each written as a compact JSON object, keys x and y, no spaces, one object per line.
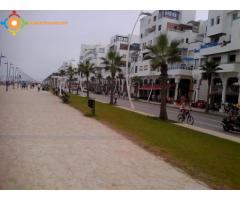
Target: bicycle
{"x":185,"y":115}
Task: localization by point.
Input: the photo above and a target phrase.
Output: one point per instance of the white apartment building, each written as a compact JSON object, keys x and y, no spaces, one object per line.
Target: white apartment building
{"x":119,"y":43}
{"x":177,"y":25}
{"x":222,"y":44}
{"x":94,"y":53}
{"x":217,"y":38}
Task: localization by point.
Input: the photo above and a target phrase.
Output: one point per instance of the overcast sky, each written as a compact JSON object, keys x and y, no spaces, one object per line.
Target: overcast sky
{"x":40,"y":50}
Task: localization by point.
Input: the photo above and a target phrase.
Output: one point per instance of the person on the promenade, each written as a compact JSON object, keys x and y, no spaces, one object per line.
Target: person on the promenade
{"x":115,"y":98}
{"x":39,"y":87}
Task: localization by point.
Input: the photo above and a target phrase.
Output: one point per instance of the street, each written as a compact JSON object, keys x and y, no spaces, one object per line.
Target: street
{"x":203,"y":120}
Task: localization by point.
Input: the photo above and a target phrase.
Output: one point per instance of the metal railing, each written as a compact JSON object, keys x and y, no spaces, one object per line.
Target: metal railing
{"x":180,"y":66}
{"x":208,"y":45}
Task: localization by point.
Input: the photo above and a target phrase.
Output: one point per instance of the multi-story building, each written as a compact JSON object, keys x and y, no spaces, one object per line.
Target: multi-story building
{"x":221,"y":44}
{"x":94,"y":53}
{"x":177,"y":25}
{"x":215,"y":39}
{"x":119,"y":44}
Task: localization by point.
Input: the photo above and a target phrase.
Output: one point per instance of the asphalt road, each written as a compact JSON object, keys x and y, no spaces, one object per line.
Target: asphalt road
{"x":203,"y":120}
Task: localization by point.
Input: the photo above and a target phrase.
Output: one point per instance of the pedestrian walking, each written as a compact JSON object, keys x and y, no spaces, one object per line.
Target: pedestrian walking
{"x":115,"y":98}
{"x":39,"y":87}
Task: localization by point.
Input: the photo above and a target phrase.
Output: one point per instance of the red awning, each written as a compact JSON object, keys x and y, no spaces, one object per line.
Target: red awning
{"x":156,"y":87}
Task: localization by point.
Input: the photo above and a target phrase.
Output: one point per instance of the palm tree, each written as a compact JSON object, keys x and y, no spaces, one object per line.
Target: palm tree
{"x":62,"y":73}
{"x":209,"y":71}
{"x":70,"y":72}
{"x":98,"y":77}
{"x":78,"y":72}
{"x":112,"y":62}
{"x":87,"y":68}
{"x":161,"y":54}
{"x":120,"y":77}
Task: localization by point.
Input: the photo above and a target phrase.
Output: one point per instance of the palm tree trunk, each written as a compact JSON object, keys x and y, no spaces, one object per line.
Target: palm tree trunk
{"x":69,"y":86}
{"x":163,"y":81}
{"x":111,"y":92}
{"x":208,"y":94}
{"x":87,"y":87}
{"x":78,"y":87}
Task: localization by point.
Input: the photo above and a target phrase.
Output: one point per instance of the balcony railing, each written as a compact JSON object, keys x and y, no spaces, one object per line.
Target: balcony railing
{"x":187,"y":58}
{"x":208,"y":45}
{"x":180,"y":66}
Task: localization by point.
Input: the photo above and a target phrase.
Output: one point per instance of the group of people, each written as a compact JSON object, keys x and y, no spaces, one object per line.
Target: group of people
{"x":116,"y":95}
{"x":26,"y":85}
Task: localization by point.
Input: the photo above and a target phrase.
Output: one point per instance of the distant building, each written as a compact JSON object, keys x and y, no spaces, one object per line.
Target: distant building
{"x":94,"y":53}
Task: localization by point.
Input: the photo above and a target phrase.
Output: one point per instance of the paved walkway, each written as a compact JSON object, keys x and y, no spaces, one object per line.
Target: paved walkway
{"x":45,"y":144}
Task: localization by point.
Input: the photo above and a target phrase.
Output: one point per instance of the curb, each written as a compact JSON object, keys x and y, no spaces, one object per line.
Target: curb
{"x":210,"y":132}
{"x":193,"y":109}
{"x":195,"y":128}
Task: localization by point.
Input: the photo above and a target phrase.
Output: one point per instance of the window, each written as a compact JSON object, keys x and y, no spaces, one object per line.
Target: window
{"x":215,"y":39}
{"x":149,"y":42}
{"x":136,"y":69}
{"x":234,"y":16}
{"x":159,"y":27}
{"x":217,"y":60}
{"x":123,"y":46}
{"x":218,"y":20}
{"x":160,"y":15}
{"x":141,"y":35}
{"x":232,"y":58}
{"x":168,"y":13}
{"x":154,"y":18}
{"x":101,"y":50}
{"x":212,"y":21}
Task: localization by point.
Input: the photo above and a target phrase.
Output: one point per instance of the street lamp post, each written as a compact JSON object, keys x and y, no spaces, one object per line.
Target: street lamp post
{"x":15,"y":76}
{"x":12,"y":76}
{"x":7,"y":77}
{"x":127,"y":57}
{"x":1,"y":56}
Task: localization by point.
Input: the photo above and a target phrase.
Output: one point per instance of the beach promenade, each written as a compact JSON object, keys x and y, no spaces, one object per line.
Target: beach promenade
{"x":45,"y":144}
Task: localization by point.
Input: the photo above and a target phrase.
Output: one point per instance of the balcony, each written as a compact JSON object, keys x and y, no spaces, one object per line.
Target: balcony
{"x":187,"y":59}
{"x":230,"y":67}
{"x":180,"y":69}
{"x":216,"y":48}
{"x":208,"y":45}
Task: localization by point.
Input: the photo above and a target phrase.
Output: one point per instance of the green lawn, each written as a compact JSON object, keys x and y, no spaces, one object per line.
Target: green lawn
{"x":213,"y":160}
